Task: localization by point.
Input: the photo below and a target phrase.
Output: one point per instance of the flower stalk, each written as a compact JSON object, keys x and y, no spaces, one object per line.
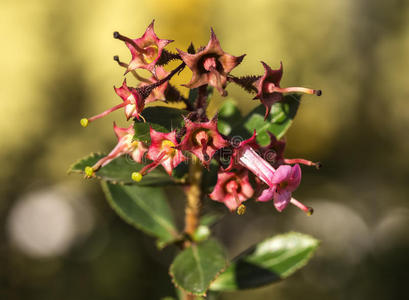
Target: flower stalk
{"x":193,"y":195}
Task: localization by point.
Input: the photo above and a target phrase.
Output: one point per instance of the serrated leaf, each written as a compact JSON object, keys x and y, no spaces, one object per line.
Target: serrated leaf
{"x":145,"y":208}
{"x":163,"y":119}
{"x":196,"y":267}
{"x":267,"y":262}
{"x":278,"y":121}
{"x":120,"y":170}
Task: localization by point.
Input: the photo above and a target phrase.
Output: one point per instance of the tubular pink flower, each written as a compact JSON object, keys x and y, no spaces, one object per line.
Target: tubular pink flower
{"x":232,"y":189}
{"x":126,"y":145}
{"x":202,"y":139}
{"x":246,"y":156}
{"x":269,"y":90}
{"x":210,"y":65}
{"x":285,"y":180}
{"x":145,"y":50}
{"x":162,"y":151}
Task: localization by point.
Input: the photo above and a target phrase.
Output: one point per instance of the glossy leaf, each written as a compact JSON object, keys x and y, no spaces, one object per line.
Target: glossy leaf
{"x":120,"y":170}
{"x":145,"y":208}
{"x":228,"y":116}
{"x":197,"y":266}
{"x":274,"y":259}
{"x":278,"y":121}
{"x":163,"y":119}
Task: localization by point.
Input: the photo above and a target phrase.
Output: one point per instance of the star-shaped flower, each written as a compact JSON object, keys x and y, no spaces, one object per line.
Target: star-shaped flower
{"x":232,"y":189}
{"x":145,"y":50}
{"x":126,"y":145}
{"x":202,"y":139}
{"x":269,"y":91}
{"x":210,"y":65}
{"x":162,"y":151}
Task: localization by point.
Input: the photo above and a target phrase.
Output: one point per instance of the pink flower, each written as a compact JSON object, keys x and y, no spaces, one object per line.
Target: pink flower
{"x":210,"y":65}
{"x":232,"y":189}
{"x":126,"y":145}
{"x":202,"y":139}
{"x":162,"y":151}
{"x":132,"y":101}
{"x":281,"y":182}
{"x":159,"y":92}
{"x":269,"y":91}
{"x":145,"y":50}
{"x":274,"y":154}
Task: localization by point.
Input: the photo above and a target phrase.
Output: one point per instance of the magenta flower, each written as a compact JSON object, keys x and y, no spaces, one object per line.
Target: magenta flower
{"x":145,"y":50}
{"x":269,"y":91}
{"x":202,"y":139}
{"x":210,"y":65}
{"x":126,"y":145}
{"x":162,"y":151}
{"x":281,"y":182}
{"x":232,"y":189}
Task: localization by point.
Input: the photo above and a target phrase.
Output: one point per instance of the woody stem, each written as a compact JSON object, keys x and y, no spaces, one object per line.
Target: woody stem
{"x":193,"y":195}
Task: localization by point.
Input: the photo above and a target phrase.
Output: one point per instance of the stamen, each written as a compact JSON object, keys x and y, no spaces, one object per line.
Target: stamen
{"x":145,"y":170}
{"x":136,"y":176}
{"x":136,"y":75}
{"x":89,"y":171}
{"x":308,"y":210}
{"x":103,"y":114}
{"x":218,"y":83}
{"x":118,"y":36}
{"x":143,"y":119}
{"x":271,"y":88}
{"x":303,"y":162}
{"x":241,"y":210}
{"x":84,"y":122}
{"x":204,"y":147}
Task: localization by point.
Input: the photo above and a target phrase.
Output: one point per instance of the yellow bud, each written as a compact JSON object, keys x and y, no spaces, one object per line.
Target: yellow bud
{"x":89,"y":171}
{"x":136,"y":176}
{"x":84,"y":122}
{"x":241,"y":209}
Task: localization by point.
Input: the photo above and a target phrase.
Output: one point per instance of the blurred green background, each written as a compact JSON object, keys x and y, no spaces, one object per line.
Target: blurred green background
{"x":60,"y":240}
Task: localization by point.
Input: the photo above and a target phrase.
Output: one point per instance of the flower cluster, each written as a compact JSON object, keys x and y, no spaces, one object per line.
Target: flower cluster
{"x":253,"y":170}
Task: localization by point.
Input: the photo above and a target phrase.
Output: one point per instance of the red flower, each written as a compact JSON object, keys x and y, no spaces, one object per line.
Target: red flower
{"x":145,"y":50}
{"x":269,"y":91}
{"x":126,"y":145}
{"x":202,"y":139}
{"x":210,"y":65}
{"x":162,"y":151}
{"x":232,"y":189}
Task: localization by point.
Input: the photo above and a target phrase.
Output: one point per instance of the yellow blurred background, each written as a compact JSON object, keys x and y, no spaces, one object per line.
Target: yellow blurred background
{"x":56,"y":67}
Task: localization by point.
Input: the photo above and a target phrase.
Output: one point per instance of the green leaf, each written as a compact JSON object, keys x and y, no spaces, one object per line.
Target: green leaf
{"x":197,"y":266}
{"x":163,"y":119}
{"x":228,"y":116}
{"x":278,"y":121}
{"x":145,"y":208}
{"x":274,"y":259}
{"x":120,"y":169}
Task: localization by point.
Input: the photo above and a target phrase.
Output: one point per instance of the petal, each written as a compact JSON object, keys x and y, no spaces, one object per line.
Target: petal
{"x":283,"y":173}
{"x":281,"y":199}
{"x":295,"y":178}
{"x":267,"y":194}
